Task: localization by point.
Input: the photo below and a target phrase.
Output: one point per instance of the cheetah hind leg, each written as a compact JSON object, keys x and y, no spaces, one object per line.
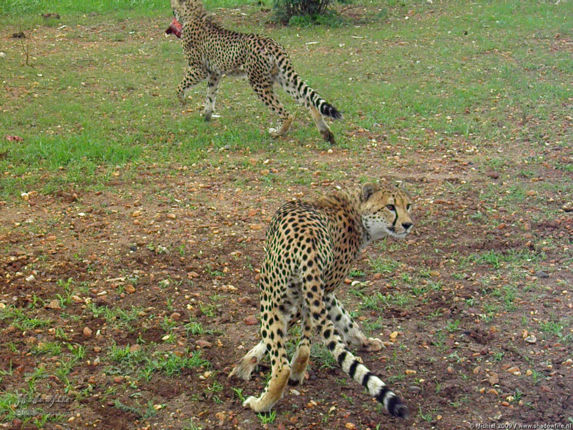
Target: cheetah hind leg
{"x":273,"y":334}
{"x":273,"y":392}
{"x":299,"y":364}
{"x":212,"y":86}
{"x":301,"y":357}
{"x":193,"y":75}
{"x":372,"y":344}
{"x":251,"y":359}
{"x":263,"y":87}
{"x":321,"y":125}
{"x":285,"y":125}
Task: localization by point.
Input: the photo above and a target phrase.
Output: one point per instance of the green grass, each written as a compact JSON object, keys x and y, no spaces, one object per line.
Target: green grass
{"x":116,"y":316}
{"x":99,"y":122}
{"x":18,"y":318}
{"x":512,"y":258}
{"x":383,"y":265}
{"x":379,"y":301}
{"x":71,"y":6}
{"x":144,"y":362}
{"x":142,"y":412}
{"x":194,"y":328}
{"x":48,"y":348}
{"x":100,"y":6}
{"x":322,"y":356}
{"x":267,"y":417}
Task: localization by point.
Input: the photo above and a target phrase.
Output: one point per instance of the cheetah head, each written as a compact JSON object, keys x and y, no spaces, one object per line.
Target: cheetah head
{"x":385,"y":211}
{"x":178,"y":9}
{"x":183,"y":9}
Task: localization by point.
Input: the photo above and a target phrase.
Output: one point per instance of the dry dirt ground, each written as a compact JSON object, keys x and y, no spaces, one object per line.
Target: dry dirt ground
{"x":476,"y":320}
{"x":185,"y":245}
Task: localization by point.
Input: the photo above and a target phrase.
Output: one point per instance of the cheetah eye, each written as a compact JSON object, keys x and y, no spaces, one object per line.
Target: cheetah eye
{"x":408,"y":206}
{"x":391,"y":208}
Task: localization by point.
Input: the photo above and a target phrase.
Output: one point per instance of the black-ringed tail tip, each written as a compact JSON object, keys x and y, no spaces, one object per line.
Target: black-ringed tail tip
{"x":329,"y":110}
{"x":396,"y":408}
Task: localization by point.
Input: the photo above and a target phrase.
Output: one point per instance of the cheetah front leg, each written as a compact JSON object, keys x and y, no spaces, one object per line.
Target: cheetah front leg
{"x":348,"y":329}
{"x":193,"y":75}
{"x":212,"y":86}
{"x":264,"y":89}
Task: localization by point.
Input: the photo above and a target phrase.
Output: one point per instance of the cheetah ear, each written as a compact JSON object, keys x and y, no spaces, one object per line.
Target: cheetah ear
{"x":178,"y":4}
{"x":400,"y":185}
{"x":367,"y":191}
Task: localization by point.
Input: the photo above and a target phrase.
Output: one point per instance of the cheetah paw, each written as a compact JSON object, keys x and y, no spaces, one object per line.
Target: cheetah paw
{"x":255,"y":404}
{"x":328,"y":136}
{"x":372,"y":344}
{"x":249,"y":401}
{"x":295,"y":380}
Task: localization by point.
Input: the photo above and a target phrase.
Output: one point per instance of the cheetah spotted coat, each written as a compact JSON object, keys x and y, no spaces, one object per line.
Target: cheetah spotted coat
{"x":309,"y":250}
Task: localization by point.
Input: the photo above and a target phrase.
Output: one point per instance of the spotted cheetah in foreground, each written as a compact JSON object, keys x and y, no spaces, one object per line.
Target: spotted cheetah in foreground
{"x":212,"y":51}
{"x":310,"y":247}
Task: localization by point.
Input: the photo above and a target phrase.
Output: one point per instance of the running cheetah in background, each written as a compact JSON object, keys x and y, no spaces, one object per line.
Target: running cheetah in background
{"x":212,"y":51}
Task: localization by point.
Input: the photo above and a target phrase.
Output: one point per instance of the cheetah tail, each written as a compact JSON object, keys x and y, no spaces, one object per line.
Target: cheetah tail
{"x":302,"y":93}
{"x":371,"y":382}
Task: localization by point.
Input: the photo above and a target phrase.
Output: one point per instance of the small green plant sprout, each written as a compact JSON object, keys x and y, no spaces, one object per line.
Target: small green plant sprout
{"x":267,"y":417}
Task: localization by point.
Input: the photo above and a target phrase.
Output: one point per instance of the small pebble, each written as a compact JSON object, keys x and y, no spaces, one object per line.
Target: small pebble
{"x":54,"y":304}
{"x":492,"y":174}
{"x":203,"y":343}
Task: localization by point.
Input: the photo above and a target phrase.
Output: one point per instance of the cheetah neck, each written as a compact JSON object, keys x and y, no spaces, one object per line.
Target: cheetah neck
{"x":349,"y":203}
{"x":355,"y":203}
{"x":192,"y":11}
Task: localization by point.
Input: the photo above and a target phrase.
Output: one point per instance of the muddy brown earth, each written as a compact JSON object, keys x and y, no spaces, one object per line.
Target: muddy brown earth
{"x":166,"y":266}
{"x":126,"y":308}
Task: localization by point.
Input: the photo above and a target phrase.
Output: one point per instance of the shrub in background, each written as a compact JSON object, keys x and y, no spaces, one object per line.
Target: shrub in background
{"x":286,"y":9}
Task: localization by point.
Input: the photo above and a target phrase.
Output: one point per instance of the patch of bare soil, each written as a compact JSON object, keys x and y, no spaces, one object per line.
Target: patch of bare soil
{"x":186,"y":249}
